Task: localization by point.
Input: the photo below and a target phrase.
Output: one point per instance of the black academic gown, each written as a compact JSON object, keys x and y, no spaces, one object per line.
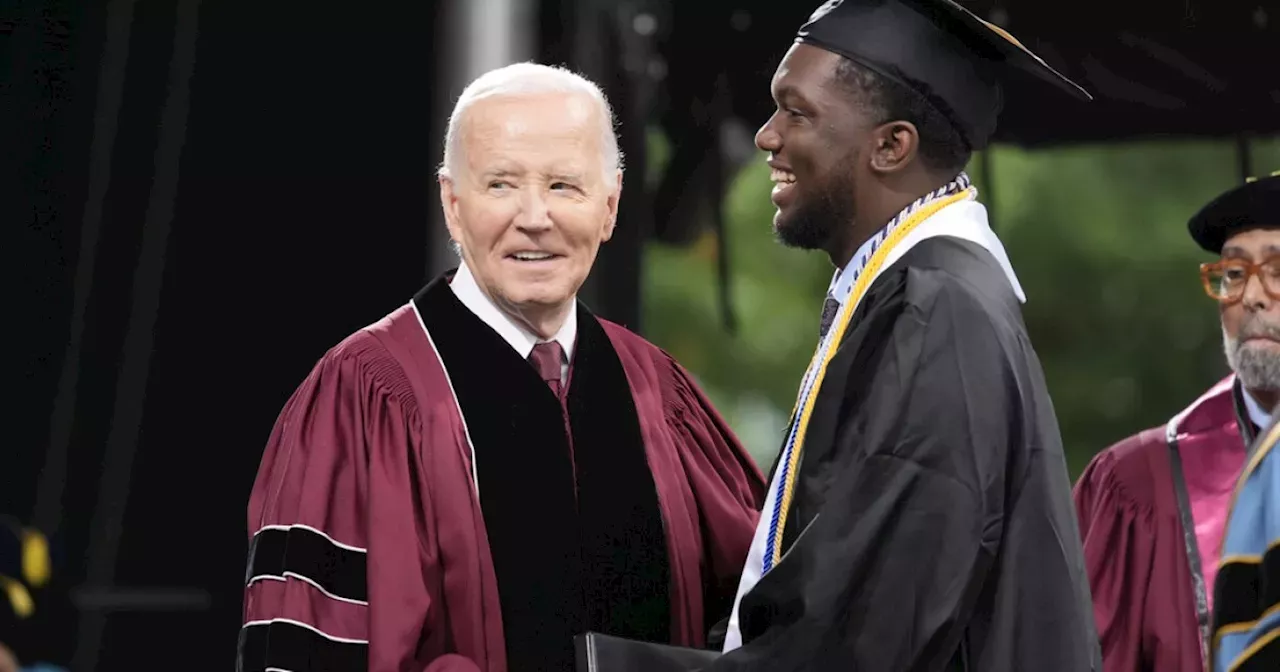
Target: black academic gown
{"x":933,"y":527}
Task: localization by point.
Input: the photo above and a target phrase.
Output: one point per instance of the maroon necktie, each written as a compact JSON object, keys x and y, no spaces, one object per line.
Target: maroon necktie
{"x":546,"y":358}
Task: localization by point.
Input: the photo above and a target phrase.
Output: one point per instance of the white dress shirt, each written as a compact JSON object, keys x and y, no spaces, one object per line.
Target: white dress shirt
{"x":1257,"y":415}
{"x":522,"y":340}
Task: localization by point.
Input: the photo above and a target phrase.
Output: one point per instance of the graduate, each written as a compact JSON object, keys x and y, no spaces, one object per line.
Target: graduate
{"x":490,"y":470}
{"x":919,"y":515}
{"x":1153,"y":507}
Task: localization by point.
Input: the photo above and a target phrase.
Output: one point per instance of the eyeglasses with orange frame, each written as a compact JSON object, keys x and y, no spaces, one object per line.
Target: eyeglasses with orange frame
{"x":1226,"y":280}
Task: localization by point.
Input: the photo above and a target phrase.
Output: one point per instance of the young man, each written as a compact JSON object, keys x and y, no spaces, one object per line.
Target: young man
{"x":919,"y":517}
{"x":491,"y":470}
{"x":1153,"y":507}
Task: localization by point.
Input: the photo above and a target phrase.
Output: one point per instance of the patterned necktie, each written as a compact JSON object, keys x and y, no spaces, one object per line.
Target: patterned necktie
{"x":546,"y":358}
{"x":829,"y":309}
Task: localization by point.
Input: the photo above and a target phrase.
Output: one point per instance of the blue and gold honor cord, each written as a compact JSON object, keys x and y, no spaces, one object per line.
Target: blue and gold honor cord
{"x":888,"y":238}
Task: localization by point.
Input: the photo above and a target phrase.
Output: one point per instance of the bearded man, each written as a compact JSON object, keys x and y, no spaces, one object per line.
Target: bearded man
{"x":1153,"y":507}
{"x":919,"y":516}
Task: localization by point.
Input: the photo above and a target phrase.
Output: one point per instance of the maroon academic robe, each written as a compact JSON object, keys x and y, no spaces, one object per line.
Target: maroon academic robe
{"x":389,"y":531}
{"x":1152,"y":510}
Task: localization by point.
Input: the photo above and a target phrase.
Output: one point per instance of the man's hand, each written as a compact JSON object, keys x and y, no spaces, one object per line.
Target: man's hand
{"x":8,"y":663}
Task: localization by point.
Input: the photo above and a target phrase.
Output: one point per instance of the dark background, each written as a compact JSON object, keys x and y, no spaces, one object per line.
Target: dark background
{"x":199,"y":198}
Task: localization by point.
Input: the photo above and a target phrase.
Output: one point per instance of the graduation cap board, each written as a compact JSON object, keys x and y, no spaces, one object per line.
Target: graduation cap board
{"x":955,"y":60}
{"x":1255,"y":204}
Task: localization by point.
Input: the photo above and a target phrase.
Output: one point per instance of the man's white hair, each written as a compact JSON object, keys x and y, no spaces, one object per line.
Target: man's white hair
{"x":529,"y":79}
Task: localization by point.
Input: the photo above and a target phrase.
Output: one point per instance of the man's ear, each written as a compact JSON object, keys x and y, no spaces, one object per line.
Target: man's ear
{"x":449,"y":203}
{"x":616,"y":197}
{"x":894,"y":146}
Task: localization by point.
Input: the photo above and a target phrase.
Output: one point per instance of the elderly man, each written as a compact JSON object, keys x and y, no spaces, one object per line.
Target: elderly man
{"x":491,"y":470}
{"x":1152,"y":507}
{"x":920,"y":514}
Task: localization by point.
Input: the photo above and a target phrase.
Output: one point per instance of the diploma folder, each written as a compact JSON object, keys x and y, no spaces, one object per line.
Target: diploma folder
{"x":603,"y":653}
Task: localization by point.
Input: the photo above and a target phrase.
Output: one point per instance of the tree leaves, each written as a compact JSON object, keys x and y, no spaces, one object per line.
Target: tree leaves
{"x":1098,"y":238}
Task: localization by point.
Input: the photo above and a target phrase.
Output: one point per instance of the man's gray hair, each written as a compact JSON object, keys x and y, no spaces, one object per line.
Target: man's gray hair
{"x":529,"y":79}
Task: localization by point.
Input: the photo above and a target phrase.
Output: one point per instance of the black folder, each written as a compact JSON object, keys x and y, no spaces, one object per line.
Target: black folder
{"x":603,"y":653}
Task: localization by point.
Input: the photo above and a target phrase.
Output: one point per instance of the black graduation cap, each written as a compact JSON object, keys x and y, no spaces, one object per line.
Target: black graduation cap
{"x":936,"y":48}
{"x":1255,"y":204}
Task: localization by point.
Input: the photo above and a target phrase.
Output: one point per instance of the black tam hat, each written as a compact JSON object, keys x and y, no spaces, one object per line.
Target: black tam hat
{"x":936,"y":48}
{"x":1254,"y":205}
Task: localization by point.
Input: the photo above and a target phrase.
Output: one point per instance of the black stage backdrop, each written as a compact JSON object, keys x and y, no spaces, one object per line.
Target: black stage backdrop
{"x":202,"y":197}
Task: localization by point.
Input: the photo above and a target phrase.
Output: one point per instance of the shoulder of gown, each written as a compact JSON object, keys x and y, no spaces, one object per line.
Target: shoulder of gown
{"x":330,"y":417}
{"x":1134,"y":552}
{"x":1130,"y":474}
{"x":338,"y":503}
{"x":940,"y":325}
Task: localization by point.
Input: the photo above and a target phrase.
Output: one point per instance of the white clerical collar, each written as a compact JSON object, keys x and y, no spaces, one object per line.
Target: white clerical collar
{"x":468,"y":291}
{"x":1257,"y":415}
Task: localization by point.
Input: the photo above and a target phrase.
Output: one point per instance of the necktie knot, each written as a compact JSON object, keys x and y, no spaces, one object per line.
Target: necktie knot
{"x":547,"y":358}
{"x":829,"y":309}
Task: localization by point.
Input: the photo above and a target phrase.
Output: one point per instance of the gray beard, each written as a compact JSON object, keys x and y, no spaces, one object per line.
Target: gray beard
{"x":1257,"y":368}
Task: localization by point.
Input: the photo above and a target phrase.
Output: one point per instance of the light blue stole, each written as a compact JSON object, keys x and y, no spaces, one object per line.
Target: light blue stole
{"x":1246,"y":596}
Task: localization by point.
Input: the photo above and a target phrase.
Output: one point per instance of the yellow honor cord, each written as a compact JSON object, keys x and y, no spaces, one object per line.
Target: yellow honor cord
{"x":19,"y":599}
{"x":804,"y":405}
{"x":36,"y":564}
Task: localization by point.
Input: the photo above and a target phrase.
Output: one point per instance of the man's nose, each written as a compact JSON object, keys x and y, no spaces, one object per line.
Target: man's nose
{"x":535,"y":213}
{"x":767,"y":138}
{"x":1255,"y":295}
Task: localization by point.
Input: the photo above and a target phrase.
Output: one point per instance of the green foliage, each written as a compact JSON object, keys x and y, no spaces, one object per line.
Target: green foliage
{"x":1115,"y":310}
{"x":777,"y":294}
{"x":1097,"y":235}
